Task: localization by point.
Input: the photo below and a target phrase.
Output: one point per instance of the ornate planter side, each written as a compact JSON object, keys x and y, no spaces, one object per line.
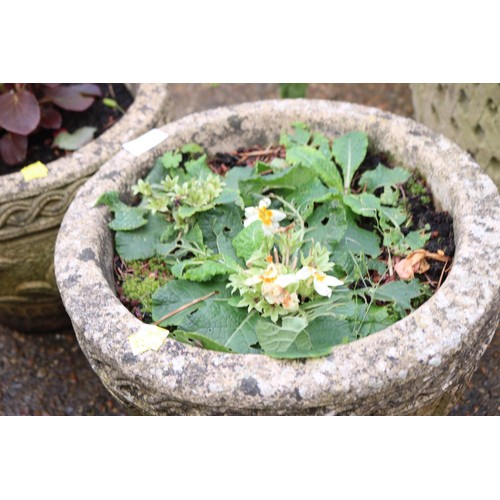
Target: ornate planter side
{"x":31,"y":212}
{"x":467,"y":113}
{"x":419,"y":365}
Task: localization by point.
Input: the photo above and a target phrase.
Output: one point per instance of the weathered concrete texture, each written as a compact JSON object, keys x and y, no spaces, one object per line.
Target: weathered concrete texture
{"x":31,"y":212}
{"x":467,"y":113}
{"x":419,"y":365}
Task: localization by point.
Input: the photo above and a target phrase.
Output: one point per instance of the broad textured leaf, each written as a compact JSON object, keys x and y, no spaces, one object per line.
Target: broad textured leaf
{"x":364,"y":204}
{"x":396,"y":215}
{"x":327,"y":225}
{"x":306,"y":196}
{"x":248,"y":240}
{"x":323,"y":144}
{"x":416,"y":239}
{"x":235,"y":175}
{"x":278,"y":338}
{"x":228,"y":326}
{"x":178,"y":293}
{"x":19,"y":112}
{"x":207,"y":271}
{"x":198,"y":168}
{"x":301,"y":135}
{"x":74,"y":141}
{"x":223,"y":220}
{"x":399,"y":292}
{"x":290,"y":178}
{"x":145,"y":242}
{"x":349,"y":151}
{"x":383,"y":176}
{"x":50,"y":118}
{"x":309,"y":156}
{"x":126,"y":218}
{"x":318,"y":339}
{"x":372,"y":319}
{"x":13,"y":148}
{"x":73,"y":97}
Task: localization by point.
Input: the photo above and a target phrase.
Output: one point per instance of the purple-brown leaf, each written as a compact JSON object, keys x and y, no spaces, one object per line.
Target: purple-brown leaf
{"x":73,"y":97}
{"x":50,"y":118}
{"x":19,"y":112}
{"x":13,"y":148}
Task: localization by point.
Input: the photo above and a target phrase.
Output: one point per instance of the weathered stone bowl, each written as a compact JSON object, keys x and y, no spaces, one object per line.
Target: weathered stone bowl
{"x":31,"y":212}
{"x":419,"y":365}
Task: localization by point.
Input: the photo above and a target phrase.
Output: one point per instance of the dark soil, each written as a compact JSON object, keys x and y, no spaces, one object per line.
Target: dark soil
{"x":98,"y":115}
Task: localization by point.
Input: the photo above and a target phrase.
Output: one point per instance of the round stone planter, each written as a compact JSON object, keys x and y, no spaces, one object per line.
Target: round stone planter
{"x":467,"y":113}
{"x":31,"y":212}
{"x":419,"y":365}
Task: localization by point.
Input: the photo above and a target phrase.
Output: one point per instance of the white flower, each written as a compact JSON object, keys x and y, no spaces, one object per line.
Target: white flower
{"x":270,"y":218}
{"x":322,"y":282}
{"x":272,"y":275}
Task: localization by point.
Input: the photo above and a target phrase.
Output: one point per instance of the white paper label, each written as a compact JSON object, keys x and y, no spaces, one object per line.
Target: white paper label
{"x":145,"y":142}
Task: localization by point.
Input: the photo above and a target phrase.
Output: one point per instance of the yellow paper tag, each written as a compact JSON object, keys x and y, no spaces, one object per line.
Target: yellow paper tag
{"x":36,"y":170}
{"x":148,"y":338}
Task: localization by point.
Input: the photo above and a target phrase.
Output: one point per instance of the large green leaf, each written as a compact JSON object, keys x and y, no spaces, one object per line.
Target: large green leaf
{"x":220,"y":224}
{"x":178,"y":293}
{"x":317,"y":339}
{"x":327,"y":225}
{"x":144,"y":242}
{"x":126,"y":218}
{"x":306,"y":196}
{"x":349,"y":151}
{"x":289,"y":178}
{"x":311,"y":157}
{"x":249,"y":239}
{"x":383,"y":176}
{"x":364,"y":204}
{"x":278,"y":338}
{"x":399,"y":292}
{"x":228,"y":326}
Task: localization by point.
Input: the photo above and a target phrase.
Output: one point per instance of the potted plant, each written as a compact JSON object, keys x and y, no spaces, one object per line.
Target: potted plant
{"x":32,"y":207}
{"x":418,"y":365}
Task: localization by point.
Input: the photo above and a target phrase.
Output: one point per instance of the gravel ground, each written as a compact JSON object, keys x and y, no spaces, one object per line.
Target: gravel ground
{"x":43,"y":374}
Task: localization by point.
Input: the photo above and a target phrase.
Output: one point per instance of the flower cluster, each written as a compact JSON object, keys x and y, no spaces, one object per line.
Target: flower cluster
{"x":272,"y":284}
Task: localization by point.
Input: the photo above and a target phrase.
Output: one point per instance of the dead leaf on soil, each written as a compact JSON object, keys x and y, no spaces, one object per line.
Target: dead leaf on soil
{"x":416,"y":263}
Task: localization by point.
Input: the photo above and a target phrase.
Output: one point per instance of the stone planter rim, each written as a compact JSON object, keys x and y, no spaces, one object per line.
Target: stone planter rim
{"x":68,"y":168}
{"x":393,"y":355}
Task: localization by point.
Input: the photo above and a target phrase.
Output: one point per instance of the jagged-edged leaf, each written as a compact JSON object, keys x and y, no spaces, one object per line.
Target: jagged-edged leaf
{"x":146,"y":241}
{"x":399,"y":292}
{"x":176,"y":294}
{"x":349,"y":151}
{"x":192,"y":149}
{"x":318,"y":339}
{"x":290,"y":178}
{"x":301,"y":135}
{"x":306,"y":196}
{"x":171,"y":159}
{"x":364,"y":204}
{"x":73,"y":141}
{"x":383,"y":176}
{"x":311,"y":157}
{"x":198,"y":168}
{"x":248,"y":240}
{"x":206,"y":271}
{"x":278,"y":338}
{"x":327,"y":225}
{"x":228,"y":326}
{"x":220,"y":224}
{"x":126,"y":218}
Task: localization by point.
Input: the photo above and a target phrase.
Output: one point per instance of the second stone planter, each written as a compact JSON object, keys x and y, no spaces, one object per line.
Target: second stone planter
{"x":419,"y":365}
{"x":31,"y":212}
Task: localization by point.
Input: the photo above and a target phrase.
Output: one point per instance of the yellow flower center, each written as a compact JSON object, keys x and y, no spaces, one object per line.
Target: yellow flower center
{"x":270,"y":275}
{"x":320,"y":276}
{"x":269,"y":259}
{"x":265,"y":216}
